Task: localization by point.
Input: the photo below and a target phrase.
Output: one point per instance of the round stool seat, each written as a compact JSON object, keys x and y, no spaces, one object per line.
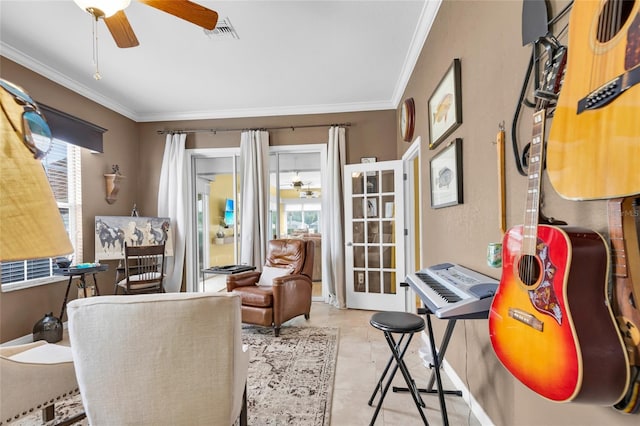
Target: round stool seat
{"x":397,"y":322}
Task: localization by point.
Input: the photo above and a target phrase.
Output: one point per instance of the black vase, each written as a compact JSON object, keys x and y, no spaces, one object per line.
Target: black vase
{"x":48,"y":328}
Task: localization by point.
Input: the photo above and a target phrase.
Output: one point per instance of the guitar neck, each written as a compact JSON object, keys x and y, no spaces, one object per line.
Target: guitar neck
{"x":532,"y":207}
{"x":616,"y":237}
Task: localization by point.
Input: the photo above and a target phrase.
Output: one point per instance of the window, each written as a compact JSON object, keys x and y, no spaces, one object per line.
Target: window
{"x":302,"y":216}
{"x":62,"y":166}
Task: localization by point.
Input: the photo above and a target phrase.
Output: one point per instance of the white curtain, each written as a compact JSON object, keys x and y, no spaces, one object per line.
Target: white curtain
{"x":333,"y":219}
{"x":254,"y":173}
{"x":172,"y":203}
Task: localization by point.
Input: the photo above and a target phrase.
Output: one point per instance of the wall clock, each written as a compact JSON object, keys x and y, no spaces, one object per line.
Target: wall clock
{"x":407,"y":118}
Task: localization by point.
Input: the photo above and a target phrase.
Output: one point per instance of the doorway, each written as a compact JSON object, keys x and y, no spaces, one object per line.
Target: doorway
{"x":296,"y":199}
{"x":294,"y":212}
{"x":213,"y":183}
{"x":412,"y":209}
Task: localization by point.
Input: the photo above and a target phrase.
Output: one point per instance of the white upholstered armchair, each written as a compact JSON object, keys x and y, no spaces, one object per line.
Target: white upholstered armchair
{"x":172,"y":358}
{"x":34,"y":377}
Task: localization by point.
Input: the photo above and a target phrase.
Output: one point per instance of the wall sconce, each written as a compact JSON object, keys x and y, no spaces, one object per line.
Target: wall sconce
{"x":112,"y":184}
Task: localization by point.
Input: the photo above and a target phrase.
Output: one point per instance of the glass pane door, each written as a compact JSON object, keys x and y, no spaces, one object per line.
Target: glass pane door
{"x":216,"y":209}
{"x":295,"y":202}
{"x":374,"y":235}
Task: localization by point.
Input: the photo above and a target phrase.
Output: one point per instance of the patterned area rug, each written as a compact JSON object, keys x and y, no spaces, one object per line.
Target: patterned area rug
{"x":290,"y":379}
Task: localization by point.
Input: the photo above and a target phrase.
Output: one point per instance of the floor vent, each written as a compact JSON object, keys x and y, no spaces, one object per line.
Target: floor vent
{"x":223,"y":31}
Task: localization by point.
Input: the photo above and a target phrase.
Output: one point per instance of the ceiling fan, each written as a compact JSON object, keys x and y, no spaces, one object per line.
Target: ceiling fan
{"x":296,"y":182}
{"x":309,"y":194}
{"x":112,"y":12}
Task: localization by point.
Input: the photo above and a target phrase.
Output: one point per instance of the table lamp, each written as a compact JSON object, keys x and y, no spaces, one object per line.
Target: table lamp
{"x":31,"y":226}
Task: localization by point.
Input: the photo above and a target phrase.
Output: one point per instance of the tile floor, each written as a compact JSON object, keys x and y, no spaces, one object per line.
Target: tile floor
{"x":362,"y":355}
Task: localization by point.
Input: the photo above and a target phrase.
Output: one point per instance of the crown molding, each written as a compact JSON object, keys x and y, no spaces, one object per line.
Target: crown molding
{"x":425,"y":22}
{"x":52,"y":74}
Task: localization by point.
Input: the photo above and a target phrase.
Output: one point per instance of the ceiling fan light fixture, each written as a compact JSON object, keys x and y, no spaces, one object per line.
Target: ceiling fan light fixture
{"x":102,"y":8}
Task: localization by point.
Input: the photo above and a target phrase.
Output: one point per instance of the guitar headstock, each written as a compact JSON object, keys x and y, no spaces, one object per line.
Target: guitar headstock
{"x":553,"y":76}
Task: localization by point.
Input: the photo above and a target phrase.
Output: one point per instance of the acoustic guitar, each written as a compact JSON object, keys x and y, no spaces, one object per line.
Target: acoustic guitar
{"x":593,"y":149}
{"x":625,"y":254}
{"x":550,"y":324}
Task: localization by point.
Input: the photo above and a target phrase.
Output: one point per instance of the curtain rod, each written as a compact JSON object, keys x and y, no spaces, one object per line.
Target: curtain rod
{"x":214,"y":131}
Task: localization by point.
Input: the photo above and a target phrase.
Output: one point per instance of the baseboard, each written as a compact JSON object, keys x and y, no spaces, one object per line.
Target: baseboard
{"x":474,"y":406}
{"x":458,"y":383}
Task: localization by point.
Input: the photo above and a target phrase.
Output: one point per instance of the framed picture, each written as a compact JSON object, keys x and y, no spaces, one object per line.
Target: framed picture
{"x":446,"y":176}
{"x":368,"y":159}
{"x":445,"y":106}
{"x":372,"y":183}
{"x":388,"y":209}
{"x":113,"y":231}
{"x":372,"y":207}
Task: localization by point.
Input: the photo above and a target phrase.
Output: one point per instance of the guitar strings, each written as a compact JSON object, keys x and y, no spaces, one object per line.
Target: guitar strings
{"x":535,"y":183}
{"x":613,"y":26}
{"x":531,"y":214}
{"x":610,"y":21}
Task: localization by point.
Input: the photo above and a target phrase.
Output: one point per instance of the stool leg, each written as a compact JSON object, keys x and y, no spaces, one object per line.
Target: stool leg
{"x":399,"y":356}
{"x":384,"y":373}
{"x":397,"y":352}
{"x":384,"y":393}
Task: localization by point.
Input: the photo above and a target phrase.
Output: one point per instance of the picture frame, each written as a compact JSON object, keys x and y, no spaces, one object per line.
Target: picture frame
{"x":372,"y":183}
{"x":371,"y":207}
{"x":446,"y":176}
{"x":112,"y":232}
{"x":445,"y":106}
{"x":389,"y":208}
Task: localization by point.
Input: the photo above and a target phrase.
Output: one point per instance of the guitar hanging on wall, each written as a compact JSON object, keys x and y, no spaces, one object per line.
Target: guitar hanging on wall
{"x":594,"y":143}
{"x":550,"y":324}
{"x":625,"y":254}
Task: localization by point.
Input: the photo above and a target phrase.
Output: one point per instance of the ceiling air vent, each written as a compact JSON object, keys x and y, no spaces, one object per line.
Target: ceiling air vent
{"x":223,"y":31}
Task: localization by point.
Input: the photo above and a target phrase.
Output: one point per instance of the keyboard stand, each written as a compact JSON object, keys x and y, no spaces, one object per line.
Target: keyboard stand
{"x":437,"y":357}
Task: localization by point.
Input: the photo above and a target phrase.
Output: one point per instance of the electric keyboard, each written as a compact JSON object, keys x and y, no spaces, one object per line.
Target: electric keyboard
{"x":451,"y":291}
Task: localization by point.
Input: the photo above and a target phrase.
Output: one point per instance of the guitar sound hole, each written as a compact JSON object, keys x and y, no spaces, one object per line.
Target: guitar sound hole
{"x":529,"y":270}
{"x":612,"y":18}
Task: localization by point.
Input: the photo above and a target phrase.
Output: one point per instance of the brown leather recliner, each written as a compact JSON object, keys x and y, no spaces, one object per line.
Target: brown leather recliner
{"x":288,"y":297}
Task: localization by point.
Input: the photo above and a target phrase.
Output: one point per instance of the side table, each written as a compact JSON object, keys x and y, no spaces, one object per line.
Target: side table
{"x":225,"y":270}
{"x":80,"y":273}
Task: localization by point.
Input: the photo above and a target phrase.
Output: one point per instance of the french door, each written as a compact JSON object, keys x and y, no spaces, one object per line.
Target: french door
{"x":374,"y":235}
{"x":215,"y":224}
{"x":213,"y":229}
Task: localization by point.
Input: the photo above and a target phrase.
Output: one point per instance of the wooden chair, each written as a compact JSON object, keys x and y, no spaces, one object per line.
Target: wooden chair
{"x":143,"y":269}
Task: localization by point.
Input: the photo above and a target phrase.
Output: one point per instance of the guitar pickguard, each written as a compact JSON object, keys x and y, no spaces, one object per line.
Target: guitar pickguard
{"x":632,"y":51}
{"x":544,"y":298}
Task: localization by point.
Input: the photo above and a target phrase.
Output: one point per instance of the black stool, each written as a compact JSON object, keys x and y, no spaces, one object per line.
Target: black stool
{"x":406,"y":324}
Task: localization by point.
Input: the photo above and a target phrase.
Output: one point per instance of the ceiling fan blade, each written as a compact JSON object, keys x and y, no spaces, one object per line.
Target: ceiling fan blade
{"x":121,"y":30}
{"x":187,"y":10}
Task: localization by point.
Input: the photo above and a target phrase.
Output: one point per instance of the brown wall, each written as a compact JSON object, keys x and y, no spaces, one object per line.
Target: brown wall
{"x":371,"y":134}
{"x":137,"y":149}
{"x":486,"y":36}
{"x":19,"y":310}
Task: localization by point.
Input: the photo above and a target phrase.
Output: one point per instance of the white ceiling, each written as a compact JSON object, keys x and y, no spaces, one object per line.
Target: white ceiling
{"x":292,"y":57}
